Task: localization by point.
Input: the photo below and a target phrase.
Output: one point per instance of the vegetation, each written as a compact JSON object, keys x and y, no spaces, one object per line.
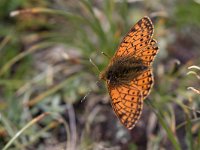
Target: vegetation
{"x":50,"y":94}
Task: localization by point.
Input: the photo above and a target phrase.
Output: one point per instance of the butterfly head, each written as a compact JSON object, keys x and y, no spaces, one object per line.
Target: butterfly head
{"x":102,"y":75}
{"x":107,"y":75}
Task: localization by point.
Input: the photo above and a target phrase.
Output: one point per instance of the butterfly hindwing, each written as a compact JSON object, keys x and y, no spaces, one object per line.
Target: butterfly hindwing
{"x":127,"y":104}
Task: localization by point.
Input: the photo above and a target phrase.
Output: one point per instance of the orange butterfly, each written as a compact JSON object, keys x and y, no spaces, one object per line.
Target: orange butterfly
{"x":129,"y":75}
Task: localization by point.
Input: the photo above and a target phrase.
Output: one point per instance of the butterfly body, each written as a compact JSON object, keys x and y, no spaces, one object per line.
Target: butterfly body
{"x":123,"y":70}
{"x":129,"y":76}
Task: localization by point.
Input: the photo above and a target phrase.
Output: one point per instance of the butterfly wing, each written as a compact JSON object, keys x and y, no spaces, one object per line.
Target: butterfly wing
{"x":127,"y":103}
{"x":127,"y":100}
{"x":144,"y":82}
{"x":148,"y":53}
{"x":136,"y":39}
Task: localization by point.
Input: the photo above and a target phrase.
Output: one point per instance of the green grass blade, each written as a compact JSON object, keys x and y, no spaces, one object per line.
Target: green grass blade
{"x":32,"y":122}
{"x":168,"y":130}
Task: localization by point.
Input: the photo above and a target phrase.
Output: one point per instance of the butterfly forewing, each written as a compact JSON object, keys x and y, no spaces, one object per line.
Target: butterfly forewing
{"x":138,"y":37}
{"x":148,"y":53}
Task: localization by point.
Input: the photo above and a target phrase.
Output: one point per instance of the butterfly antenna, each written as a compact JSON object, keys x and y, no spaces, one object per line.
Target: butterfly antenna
{"x":90,"y":90}
{"x":91,"y":61}
{"x":106,"y":55}
{"x":86,"y":95}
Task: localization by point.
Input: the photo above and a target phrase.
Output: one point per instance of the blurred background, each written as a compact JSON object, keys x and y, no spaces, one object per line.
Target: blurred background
{"x":50,"y":96}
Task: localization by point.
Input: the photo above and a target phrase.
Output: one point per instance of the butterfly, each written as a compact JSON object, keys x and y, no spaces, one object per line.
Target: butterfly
{"x":129,"y":76}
